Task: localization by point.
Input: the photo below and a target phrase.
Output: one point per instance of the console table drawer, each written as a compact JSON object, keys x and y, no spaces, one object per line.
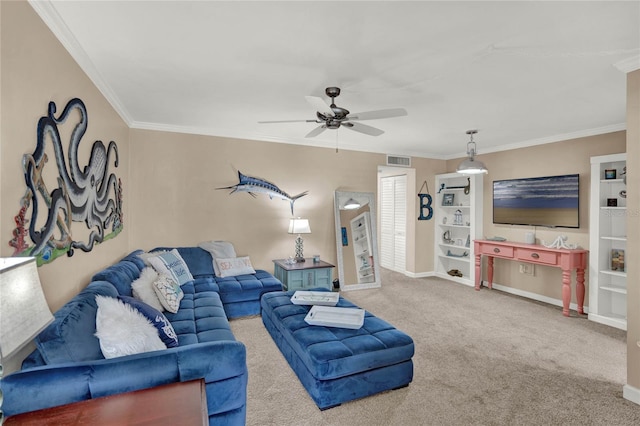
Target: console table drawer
{"x":496,"y":250}
{"x":537,"y":256}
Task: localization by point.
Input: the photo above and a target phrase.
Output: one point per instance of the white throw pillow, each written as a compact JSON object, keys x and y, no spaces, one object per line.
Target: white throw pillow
{"x":172,"y":264}
{"x":218,"y":250}
{"x":169,"y":293}
{"x":122,"y":330}
{"x":142,"y":288}
{"x":235,"y":266}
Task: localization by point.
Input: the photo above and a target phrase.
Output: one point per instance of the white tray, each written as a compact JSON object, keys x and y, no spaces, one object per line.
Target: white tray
{"x":335,"y":317}
{"x":323,"y":298}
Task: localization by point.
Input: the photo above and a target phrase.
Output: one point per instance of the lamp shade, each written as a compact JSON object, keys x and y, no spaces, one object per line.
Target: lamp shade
{"x":24,"y":312}
{"x":299,"y":226}
{"x":471,"y":166}
{"x":351,"y":204}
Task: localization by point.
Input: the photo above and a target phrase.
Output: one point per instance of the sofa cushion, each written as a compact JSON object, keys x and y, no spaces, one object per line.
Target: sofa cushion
{"x":121,"y":275}
{"x":160,"y":322}
{"x":70,"y":337}
{"x":201,"y":318}
{"x":123,"y":330}
{"x":247,"y":287}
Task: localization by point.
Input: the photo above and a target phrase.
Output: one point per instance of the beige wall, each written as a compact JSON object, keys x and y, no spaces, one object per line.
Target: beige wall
{"x":36,"y":69}
{"x":175,"y":200}
{"x":633,"y":229}
{"x":567,"y":157}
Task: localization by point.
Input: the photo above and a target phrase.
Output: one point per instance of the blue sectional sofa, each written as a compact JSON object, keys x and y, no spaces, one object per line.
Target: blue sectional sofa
{"x":68,"y":364}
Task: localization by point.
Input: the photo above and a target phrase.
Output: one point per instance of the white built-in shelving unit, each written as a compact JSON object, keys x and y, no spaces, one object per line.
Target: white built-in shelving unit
{"x":608,"y":241}
{"x":457,"y":225}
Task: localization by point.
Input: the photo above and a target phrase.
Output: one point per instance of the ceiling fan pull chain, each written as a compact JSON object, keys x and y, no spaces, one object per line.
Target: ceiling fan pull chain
{"x":337,"y":140}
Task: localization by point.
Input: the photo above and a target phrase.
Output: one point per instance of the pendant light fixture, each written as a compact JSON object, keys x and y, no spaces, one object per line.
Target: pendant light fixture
{"x":471,"y":166}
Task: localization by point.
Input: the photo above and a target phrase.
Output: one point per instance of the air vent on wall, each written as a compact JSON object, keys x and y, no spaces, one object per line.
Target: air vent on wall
{"x":397,"y":160}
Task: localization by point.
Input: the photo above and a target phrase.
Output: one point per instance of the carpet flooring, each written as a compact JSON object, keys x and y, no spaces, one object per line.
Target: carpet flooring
{"x":482,"y":358}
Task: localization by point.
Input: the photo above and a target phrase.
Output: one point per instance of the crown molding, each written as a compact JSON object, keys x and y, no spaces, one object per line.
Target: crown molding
{"x":549,"y":139}
{"x":628,"y":65}
{"x":48,"y":13}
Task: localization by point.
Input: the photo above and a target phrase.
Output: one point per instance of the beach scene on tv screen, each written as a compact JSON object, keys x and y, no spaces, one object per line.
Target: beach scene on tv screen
{"x":546,"y":201}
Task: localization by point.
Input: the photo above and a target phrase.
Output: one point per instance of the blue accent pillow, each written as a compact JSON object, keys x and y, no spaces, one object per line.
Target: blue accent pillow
{"x":165,"y":329}
{"x":173,"y":265}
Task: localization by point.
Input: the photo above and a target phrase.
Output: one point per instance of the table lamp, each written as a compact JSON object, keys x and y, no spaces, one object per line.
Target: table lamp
{"x":24,"y":312}
{"x":299,"y":226}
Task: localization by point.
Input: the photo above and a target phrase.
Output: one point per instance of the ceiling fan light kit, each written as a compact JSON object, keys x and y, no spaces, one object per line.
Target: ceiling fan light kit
{"x":471,"y":166}
{"x":331,"y":116}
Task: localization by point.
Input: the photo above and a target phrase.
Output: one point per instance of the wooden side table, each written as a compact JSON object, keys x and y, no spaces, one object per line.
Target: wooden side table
{"x":304,"y":275}
{"x":181,"y":403}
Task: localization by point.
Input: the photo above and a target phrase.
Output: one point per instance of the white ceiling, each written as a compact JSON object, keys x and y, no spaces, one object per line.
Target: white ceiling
{"x":522,"y":73}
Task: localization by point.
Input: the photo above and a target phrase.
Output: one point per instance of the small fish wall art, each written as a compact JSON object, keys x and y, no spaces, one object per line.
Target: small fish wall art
{"x":253,"y":185}
{"x":45,"y":224}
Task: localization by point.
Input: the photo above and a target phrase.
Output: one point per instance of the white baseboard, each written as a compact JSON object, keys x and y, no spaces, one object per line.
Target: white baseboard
{"x":630,"y":393}
{"x":535,"y":296}
{"x":419,"y":274}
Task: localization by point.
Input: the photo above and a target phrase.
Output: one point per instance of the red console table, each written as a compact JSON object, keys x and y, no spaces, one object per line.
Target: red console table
{"x":565,"y":259}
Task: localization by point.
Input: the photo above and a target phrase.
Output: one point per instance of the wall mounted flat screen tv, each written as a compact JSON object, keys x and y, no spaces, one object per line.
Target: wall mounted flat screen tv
{"x":551,"y":201}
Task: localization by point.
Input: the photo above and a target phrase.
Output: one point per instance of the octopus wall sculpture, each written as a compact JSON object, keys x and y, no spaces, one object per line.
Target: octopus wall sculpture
{"x":88,"y":194}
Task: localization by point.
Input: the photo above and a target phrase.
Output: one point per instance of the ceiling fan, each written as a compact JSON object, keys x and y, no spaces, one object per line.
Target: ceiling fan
{"x":333,"y":117}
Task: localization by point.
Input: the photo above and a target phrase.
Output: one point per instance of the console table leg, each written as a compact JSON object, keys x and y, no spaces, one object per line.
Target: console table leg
{"x":580,"y":289}
{"x":566,"y":291}
{"x":478,"y":271}
{"x":490,"y":271}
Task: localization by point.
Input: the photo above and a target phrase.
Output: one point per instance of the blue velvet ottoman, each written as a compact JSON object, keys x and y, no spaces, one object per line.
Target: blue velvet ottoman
{"x":337,"y":365}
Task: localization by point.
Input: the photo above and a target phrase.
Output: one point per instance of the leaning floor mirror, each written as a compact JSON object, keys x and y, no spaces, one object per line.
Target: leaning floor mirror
{"x":356,"y":240}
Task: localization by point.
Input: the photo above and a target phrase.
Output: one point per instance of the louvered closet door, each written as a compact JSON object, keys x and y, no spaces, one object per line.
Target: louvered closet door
{"x":393,"y":222}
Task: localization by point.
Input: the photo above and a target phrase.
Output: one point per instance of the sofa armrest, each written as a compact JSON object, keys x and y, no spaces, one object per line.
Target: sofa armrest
{"x":221,"y":363}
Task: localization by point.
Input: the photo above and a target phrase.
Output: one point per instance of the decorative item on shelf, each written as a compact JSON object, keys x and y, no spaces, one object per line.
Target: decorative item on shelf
{"x":612,"y":202}
{"x":610,"y":174}
{"x":299,"y":226}
{"x":454,"y":273}
{"x":444,"y":220}
{"x":316,"y":258}
{"x":23,"y":307}
{"x":617,"y":260}
{"x":624,"y":175}
{"x":446,"y":237}
{"x":447,"y":199}
{"x":464,"y":254}
{"x":457,"y":217}
{"x":471,"y":166}
{"x":623,"y":193}
{"x":468,"y":243}
{"x":560,"y":243}
{"x":425,"y":196}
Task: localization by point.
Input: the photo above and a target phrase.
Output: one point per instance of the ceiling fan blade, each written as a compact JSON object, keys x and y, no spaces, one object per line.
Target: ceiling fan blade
{"x":382,"y":113}
{"x":315,"y":132}
{"x":320,"y":105}
{"x":287,"y":121}
{"x":363,"y":128}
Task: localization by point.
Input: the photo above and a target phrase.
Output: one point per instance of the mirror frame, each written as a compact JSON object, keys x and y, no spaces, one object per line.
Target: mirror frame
{"x":345,"y":195}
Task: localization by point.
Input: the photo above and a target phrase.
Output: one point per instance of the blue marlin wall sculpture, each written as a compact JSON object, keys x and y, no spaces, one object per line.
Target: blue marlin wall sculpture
{"x":253,"y":185}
